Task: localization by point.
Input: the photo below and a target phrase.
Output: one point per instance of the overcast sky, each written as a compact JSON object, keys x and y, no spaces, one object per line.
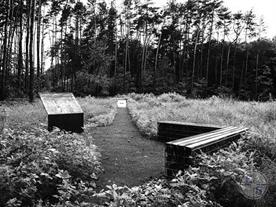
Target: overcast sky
{"x":264,"y":8}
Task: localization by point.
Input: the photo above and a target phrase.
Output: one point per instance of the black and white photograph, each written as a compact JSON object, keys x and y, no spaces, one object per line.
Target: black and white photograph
{"x":137,"y":103}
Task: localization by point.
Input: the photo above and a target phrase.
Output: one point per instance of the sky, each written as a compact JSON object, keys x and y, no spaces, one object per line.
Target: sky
{"x":262,"y":8}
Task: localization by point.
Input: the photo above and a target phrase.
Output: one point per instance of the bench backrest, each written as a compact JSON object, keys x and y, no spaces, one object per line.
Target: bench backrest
{"x":171,"y":130}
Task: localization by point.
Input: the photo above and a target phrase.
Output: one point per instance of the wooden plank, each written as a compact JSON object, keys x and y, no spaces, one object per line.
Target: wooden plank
{"x":60,"y":103}
{"x":208,"y":136}
{"x":183,"y":131}
{"x":179,"y":152}
{"x":196,"y":138}
{"x":216,"y":138}
{"x":189,"y":124}
{"x":179,"y":135}
{"x":172,"y":130}
{"x":161,"y":128}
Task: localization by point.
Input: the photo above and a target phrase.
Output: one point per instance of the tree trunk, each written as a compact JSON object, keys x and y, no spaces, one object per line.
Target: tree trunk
{"x":5,"y":53}
{"x":20,"y":53}
{"x":42,"y":49}
{"x":31,"y":86}
{"x":194,"y":57}
{"x":256,"y":77}
{"x":221,"y":64}
{"x":227,"y":62}
{"x":126,"y":63}
{"x":234,"y":66}
{"x":156,"y":60}
{"x":27,"y":45}
{"x":38,"y":43}
{"x":209,"y":48}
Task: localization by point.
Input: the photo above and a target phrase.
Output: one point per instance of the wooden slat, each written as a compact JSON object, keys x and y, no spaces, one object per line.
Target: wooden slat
{"x":216,"y":138}
{"x":178,"y":135}
{"x":184,"y":130}
{"x":197,"y":138}
{"x":188,"y":124}
{"x":209,"y":136}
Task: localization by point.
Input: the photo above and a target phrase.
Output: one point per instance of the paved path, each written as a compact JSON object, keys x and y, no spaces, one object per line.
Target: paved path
{"x":127,"y":157}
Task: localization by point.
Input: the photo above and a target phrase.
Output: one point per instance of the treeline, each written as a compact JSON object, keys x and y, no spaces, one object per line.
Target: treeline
{"x":197,"y":48}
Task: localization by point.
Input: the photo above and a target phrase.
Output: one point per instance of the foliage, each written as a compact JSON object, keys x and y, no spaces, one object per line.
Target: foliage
{"x":22,"y":115}
{"x":146,"y":110}
{"x":194,"y":48}
{"x":42,"y":167}
{"x":213,"y":182}
{"x":102,"y":113}
{"x":89,"y":84}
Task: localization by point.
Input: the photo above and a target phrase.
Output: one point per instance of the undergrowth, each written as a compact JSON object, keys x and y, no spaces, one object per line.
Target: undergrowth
{"x":22,"y":115}
{"x":214,"y":181}
{"x":41,"y":168}
{"x":146,"y":110}
{"x":99,"y":112}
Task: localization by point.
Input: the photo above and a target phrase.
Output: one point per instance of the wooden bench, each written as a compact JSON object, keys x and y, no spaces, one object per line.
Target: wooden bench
{"x":179,"y":152}
{"x":172,"y":130}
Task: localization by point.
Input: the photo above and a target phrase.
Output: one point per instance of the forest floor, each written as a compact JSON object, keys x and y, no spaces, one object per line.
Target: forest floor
{"x":127,"y":157}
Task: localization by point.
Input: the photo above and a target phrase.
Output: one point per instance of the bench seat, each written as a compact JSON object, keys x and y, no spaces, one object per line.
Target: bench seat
{"x":179,"y":152}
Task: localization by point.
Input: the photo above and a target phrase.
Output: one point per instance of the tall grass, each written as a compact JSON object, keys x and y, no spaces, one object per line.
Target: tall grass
{"x":98,"y":112}
{"x":23,"y":115}
{"x":260,"y":118}
{"x":146,"y":110}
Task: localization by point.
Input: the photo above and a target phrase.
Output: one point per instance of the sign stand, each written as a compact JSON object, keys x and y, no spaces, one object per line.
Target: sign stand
{"x":63,"y":111}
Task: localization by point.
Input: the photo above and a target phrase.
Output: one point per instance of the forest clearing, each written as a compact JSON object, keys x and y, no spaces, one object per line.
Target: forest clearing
{"x":205,"y":69}
{"x":70,"y":165}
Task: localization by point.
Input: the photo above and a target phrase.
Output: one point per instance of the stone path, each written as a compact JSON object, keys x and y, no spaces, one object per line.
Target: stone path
{"x":127,"y":157}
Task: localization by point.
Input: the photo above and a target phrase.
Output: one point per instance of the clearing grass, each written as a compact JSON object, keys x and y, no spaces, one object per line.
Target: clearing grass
{"x":41,"y":168}
{"x":73,"y":159}
{"x":23,"y":115}
{"x":146,"y":110}
{"x":98,"y":112}
{"x":260,"y":118}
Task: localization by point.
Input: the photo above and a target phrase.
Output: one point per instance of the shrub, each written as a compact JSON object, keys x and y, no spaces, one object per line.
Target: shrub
{"x":171,"y":97}
{"x":42,"y":167}
{"x":212,"y":182}
{"x":102,"y":113}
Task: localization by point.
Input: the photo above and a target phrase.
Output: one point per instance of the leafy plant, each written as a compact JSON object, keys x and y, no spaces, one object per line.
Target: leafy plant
{"x":46,"y":167}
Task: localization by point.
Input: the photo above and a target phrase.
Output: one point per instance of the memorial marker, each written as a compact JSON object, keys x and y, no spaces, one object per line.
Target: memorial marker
{"x":63,"y":111}
{"x":122,"y":103}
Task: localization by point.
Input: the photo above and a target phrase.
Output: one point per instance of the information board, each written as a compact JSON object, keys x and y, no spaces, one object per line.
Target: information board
{"x":60,"y":103}
{"x":63,"y":111}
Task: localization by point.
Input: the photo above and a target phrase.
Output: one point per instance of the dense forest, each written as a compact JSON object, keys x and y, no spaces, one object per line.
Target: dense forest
{"x":197,"y":48}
